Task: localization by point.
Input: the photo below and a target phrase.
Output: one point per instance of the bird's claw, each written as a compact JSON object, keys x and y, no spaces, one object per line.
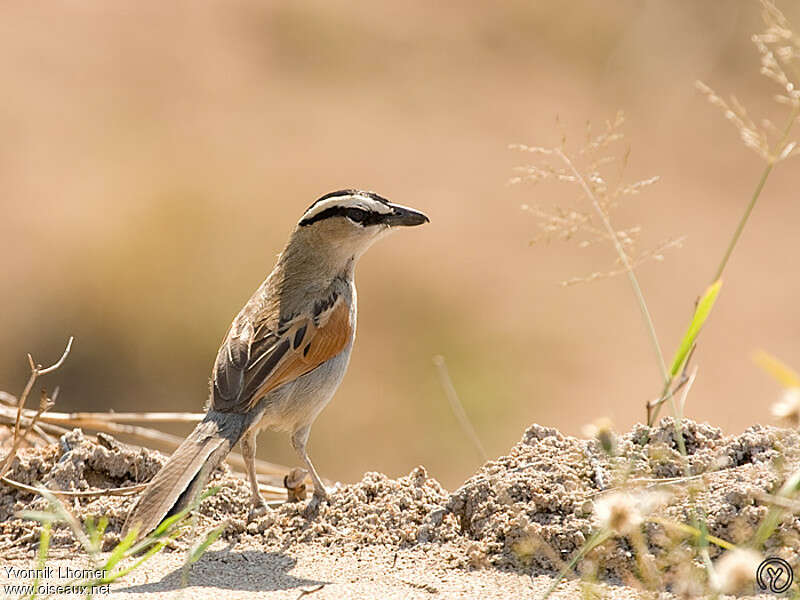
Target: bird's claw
{"x":259,"y":509}
{"x":312,"y":508}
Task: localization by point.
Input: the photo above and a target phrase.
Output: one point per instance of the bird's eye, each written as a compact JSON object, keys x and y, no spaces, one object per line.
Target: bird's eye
{"x":356,"y":215}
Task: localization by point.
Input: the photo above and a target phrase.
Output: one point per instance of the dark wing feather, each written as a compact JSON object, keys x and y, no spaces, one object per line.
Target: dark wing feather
{"x":255,"y":360}
{"x":232,"y":360}
{"x":261,"y":370}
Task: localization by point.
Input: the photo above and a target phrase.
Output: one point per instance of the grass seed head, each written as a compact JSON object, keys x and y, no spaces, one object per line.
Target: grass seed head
{"x":779,"y":49}
{"x":597,"y":168}
{"x":787,"y":409}
{"x":736,"y":571}
{"x":603,"y":431}
{"x":618,"y":512}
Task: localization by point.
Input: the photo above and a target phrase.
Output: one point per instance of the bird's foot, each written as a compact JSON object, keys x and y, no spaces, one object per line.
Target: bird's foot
{"x":259,"y":509}
{"x":312,"y":508}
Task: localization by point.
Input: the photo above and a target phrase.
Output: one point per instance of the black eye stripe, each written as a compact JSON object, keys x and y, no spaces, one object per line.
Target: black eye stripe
{"x":359,"y":215}
{"x":356,"y":214}
{"x":371,"y":219}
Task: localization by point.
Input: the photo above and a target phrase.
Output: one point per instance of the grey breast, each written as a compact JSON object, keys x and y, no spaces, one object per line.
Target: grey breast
{"x":297,"y":403}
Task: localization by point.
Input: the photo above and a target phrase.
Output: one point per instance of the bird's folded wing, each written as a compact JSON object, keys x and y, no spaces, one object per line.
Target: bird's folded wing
{"x":255,"y":360}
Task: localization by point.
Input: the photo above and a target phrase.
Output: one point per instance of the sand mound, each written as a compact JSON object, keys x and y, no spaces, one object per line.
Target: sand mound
{"x":535,"y":507}
{"x":74,"y":464}
{"x":376,"y":510}
{"x":529,"y":511}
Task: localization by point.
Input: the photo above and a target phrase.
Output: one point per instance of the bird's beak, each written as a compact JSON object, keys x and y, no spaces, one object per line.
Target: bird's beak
{"x":402,"y":216}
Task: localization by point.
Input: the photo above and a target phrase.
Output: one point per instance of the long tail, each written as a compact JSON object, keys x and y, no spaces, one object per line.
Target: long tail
{"x":186,"y":472}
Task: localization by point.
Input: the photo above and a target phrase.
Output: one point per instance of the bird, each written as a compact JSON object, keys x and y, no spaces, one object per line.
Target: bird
{"x":284,"y":355}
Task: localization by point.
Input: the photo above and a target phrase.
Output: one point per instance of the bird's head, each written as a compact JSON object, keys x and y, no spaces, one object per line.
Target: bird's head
{"x":342,"y":225}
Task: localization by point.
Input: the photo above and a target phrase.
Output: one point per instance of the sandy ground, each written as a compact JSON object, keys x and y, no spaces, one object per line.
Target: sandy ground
{"x":325,"y":573}
{"x":504,"y":533}
{"x":372,"y":572}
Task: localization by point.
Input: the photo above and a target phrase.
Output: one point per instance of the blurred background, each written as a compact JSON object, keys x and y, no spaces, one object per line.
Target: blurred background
{"x":155,"y":156}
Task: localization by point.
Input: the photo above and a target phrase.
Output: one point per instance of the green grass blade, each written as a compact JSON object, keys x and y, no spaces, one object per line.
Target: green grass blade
{"x":119,"y":551}
{"x":700,"y":315}
{"x":101,"y":526}
{"x":792,"y":485}
{"x":771,"y":521}
{"x":91,"y":529}
{"x":170,"y":521}
{"x":41,"y":516}
{"x":58,"y":508}
{"x":595,"y":540}
{"x":167,"y":524}
{"x":122,"y":572}
{"x":44,"y":546}
{"x":774,"y":367}
{"x":201,"y":548}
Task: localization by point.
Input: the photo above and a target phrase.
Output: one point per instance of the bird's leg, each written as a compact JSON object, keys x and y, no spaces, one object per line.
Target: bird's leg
{"x":249,"y":453}
{"x":299,"y":442}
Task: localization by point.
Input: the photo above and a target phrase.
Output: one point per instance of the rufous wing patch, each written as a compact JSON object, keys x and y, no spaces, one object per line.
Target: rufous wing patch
{"x":311,"y":345}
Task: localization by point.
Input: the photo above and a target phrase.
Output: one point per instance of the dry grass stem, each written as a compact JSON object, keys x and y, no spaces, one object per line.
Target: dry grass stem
{"x":654,"y":406}
{"x":779,"y":49}
{"x":122,"y":491}
{"x":457,"y":407}
{"x":128,"y":417}
{"x":60,"y":423}
{"x":604,"y":193}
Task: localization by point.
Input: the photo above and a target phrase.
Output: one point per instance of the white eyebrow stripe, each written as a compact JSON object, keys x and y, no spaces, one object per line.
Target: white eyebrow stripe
{"x":362,"y":202}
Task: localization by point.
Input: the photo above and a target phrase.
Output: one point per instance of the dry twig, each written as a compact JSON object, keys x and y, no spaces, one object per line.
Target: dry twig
{"x":44,"y":404}
{"x":307,"y":591}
